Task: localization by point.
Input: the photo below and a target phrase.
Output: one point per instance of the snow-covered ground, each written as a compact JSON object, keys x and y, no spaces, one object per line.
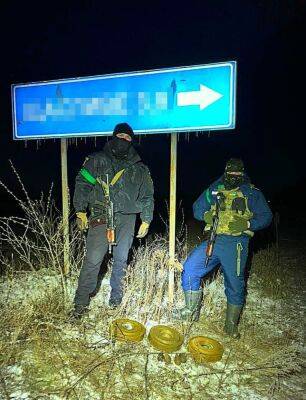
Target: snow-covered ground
{"x":45,"y":356}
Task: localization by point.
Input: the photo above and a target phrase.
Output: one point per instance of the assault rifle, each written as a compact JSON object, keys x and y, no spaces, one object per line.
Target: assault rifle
{"x":110,"y":226}
{"x":110,"y":220}
{"x":109,"y":213}
{"x":213,"y":231}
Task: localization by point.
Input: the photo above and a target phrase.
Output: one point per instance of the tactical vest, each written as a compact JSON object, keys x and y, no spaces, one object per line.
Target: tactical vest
{"x":234,"y":202}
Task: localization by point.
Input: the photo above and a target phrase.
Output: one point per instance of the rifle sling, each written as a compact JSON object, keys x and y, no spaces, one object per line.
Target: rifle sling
{"x":115,"y":179}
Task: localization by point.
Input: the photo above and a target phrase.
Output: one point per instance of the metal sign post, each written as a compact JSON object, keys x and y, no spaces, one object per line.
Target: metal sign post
{"x":172,"y":216}
{"x":65,"y":206}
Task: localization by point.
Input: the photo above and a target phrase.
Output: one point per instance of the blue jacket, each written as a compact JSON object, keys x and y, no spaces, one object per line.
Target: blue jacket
{"x":262,"y":215}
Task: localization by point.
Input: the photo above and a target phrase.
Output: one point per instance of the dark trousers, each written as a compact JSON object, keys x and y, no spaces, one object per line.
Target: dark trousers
{"x":96,"y":248}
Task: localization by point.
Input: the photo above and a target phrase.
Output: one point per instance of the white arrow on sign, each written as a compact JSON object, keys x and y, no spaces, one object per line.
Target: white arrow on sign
{"x":203,"y":97}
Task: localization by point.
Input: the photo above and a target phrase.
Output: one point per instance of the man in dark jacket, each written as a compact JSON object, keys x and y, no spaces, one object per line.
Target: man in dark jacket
{"x":115,"y":175}
{"x":243,"y":210}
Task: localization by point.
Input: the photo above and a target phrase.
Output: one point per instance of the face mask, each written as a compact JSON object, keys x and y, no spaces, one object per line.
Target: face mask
{"x":232,"y":181}
{"x":119,"y":147}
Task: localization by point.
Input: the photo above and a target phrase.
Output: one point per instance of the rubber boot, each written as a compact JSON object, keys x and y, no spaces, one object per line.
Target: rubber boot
{"x":232,"y":319}
{"x":193,"y":300}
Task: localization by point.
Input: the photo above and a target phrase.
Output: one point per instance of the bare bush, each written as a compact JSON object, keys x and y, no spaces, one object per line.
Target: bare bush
{"x":146,"y":287}
{"x":35,"y":240}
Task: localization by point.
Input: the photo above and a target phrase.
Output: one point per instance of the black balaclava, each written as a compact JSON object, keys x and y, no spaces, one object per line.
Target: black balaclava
{"x":120,"y":147}
{"x":233,"y":181}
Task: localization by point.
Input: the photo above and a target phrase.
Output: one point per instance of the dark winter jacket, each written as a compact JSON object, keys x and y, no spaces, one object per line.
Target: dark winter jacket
{"x":131,"y":194}
{"x":256,"y":202}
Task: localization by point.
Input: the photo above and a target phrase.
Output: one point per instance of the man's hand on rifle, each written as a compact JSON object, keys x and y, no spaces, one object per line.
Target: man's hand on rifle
{"x":208,"y":217}
{"x":82,"y":221}
{"x":239,"y":224}
{"x":143,"y":230}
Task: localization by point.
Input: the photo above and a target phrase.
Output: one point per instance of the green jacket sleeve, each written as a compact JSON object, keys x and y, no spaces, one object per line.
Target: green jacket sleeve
{"x":84,"y":183}
{"x":146,"y":197}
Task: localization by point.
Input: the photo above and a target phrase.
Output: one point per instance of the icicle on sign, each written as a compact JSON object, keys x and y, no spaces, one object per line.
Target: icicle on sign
{"x":186,"y":99}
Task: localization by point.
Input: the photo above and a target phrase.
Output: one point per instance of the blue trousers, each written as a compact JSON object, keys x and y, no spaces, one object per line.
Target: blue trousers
{"x":96,"y":248}
{"x":230,"y":252}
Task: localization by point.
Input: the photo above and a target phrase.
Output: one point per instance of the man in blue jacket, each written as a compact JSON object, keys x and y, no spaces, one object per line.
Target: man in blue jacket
{"x":243,"y":210}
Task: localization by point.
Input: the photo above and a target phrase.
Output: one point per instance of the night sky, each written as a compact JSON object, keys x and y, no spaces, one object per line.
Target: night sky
{"x":266,"y":38}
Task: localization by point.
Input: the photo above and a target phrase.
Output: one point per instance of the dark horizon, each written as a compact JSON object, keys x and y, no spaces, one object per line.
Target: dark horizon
{"x":265,"y":40}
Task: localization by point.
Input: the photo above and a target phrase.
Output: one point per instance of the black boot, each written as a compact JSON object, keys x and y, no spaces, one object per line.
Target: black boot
{"x":78,"y":312}
{"x":232,"y":319}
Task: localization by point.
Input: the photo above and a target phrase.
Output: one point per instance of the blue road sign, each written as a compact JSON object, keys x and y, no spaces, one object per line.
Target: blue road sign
{"x":186,"y":99}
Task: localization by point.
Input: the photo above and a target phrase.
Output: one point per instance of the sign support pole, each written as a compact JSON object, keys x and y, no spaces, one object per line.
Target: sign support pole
{"x":172,"y":214}
{"x":65,"y":205}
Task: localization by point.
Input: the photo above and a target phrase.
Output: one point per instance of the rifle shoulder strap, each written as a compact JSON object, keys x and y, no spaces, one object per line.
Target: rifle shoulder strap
{"x":106,"y":186}
{"x":117,"y":177}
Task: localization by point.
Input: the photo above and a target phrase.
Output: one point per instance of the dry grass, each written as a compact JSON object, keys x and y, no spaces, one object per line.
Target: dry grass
{"x":273,"y":275}
{"x":146,"y":288}
{"x":46,"y":357}
{"x":43,"y":356}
